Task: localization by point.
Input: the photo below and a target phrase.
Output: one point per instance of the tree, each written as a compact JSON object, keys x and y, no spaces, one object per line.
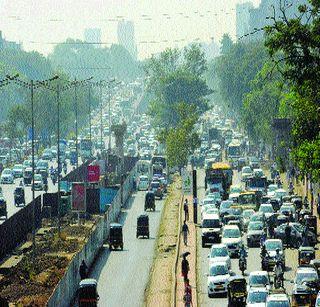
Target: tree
{"x":226,"y":44}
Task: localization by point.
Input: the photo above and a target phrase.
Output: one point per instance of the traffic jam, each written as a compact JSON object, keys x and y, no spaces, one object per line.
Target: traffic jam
{"x":259,"y":234}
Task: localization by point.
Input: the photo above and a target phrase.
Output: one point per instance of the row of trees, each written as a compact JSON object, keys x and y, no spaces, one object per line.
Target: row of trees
{"x":179,"y":93}
{"x":276,"y":78}
{"x":69,"y":59}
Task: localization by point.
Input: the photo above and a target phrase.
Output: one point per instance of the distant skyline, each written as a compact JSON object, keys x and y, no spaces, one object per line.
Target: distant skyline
{"x":158,"y":24}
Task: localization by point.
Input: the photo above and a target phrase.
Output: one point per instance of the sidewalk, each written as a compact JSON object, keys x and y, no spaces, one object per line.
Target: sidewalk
{"x":192,"y":258}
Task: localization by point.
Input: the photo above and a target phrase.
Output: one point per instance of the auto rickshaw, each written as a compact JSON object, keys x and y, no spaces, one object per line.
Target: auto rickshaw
{"x":27,"y":176}
{"x":3,"y":207}
{"x":303,"y":295}
{"x":150,"y":201}
{"x":237,"y":291}
{"x":306,"y":254}
{"x":87,"y":293}
{"x":311,"y":223}
{"x":115,"y":236}
{"x":143,"y":226}
{"x":19,"y":197}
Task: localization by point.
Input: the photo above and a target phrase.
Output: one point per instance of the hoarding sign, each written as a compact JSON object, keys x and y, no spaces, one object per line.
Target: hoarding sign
{"x":78,"y":195}
{"x":93,"y":173}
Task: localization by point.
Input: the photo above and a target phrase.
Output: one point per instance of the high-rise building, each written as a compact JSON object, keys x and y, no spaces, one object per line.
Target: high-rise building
{"x":243,"y":18}
{"x":93,"y":36}
{"x":260,"y":17}
{"x":126,"y":37}
{"x":5,"y":44}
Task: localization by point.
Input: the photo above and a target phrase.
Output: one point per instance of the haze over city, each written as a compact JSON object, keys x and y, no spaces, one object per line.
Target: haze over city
{"x":38,"y":25}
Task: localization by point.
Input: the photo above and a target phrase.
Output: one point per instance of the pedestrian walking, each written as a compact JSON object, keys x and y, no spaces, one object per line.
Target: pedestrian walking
{"x":318,"y":210}
{"x":83,"y":270}
{"x":187,"y":298}
{"x":185,"y":231}
{"x":185,"y":266}
{"x":186,"y":210}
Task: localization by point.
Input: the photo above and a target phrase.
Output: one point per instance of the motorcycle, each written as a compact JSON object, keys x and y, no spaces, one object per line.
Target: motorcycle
{"x":242,"y":264}
{"x":278,"y":279}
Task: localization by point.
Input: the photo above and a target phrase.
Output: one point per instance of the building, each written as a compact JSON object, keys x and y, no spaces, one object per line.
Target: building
{"x":260,"y":17}
{"x":126,"y":37}
{"x":211,"y":50}
{"x":5,"y":44}
{"x":93,"y":36}
{"x":243,"y":19}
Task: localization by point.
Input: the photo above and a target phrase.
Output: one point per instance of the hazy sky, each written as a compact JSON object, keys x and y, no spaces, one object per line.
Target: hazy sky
{"x":158,"y":23}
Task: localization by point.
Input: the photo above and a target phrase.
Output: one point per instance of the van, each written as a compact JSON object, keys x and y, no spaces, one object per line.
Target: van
{"x":210,"y":229}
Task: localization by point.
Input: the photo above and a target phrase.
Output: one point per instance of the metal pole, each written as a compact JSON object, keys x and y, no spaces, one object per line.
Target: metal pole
{"x":76,"y":111}
{"x":101,"y":127}
{"x":109,"y":101}
{"x":33,"y":170}
{"x":89,"y":98}
{"x":59,"y":162}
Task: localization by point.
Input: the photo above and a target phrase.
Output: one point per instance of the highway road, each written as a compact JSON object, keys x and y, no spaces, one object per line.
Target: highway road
{"x":123,"y":275}
{"x":8,"y":190}
{"x":253,"y":260}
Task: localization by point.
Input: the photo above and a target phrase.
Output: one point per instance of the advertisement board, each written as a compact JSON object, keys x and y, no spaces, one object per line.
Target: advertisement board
{"x":78,"y":196}
{"x":93,"y":173}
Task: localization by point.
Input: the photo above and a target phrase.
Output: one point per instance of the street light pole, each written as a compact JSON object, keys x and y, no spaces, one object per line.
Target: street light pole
{"x":101,"y":127}
{"x":76,"y":113}
{"x":58,"y":154}
{"x":89,"y":101}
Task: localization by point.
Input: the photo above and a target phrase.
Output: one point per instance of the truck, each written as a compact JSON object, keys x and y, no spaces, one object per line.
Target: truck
{"x":219,"y":178}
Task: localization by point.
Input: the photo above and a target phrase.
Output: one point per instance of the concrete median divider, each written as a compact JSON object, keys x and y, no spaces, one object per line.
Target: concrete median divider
{"x":65,"y":290}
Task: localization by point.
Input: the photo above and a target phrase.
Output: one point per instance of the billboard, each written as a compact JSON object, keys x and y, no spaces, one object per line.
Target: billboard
{"x":78,"y":196}
{"x":93,"y":173}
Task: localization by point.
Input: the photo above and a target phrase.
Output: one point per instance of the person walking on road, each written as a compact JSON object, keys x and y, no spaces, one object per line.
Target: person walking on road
{"x":187,"y":298}
{"x":185,"y":267}
{"x":83,"y":270}
{"x":186,"y":210}
{"x":185,"y":231}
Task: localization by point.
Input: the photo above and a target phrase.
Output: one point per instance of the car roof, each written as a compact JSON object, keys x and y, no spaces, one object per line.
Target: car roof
{"x":258,"y":273}
{"x":258,"y":289}
{"x":230,"y":227}
{"x":273,"y":240}
{"x":210,"y":216}
{"x":306,"y":269}
{"x":218,"y":245}
{"x":218,"y":263}
{"x":277,"y":297}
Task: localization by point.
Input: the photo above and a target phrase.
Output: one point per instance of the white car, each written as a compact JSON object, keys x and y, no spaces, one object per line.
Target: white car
{"x":143,"y":183}
{"x":7,"y":176}
{"x":271,"y":247}
{"x":258,"y":172}
{"x":235,"y":192}
{"x":279,"y":193}
{"x":257,"y":297}
{"x":271,"y":189}
{"x":17,"y":171}
{"x":278,"y":300}
{"x":38,"y":182}
{"x":218,"y":278}
{"x":219,"y":253}
{"x":246,"y":173}
{"x":231,"y":237}
{"x":259,"y":279}
{"x":304,"y":274}
{"x":267,"y":210}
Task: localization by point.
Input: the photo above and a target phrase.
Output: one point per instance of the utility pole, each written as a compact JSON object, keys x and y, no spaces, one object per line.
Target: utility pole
{"x":58,"y":154}
{"x":101,"y":126}
{"x":89,"y":101}
{"x":32,"y":85}
{"x":76,"y":122}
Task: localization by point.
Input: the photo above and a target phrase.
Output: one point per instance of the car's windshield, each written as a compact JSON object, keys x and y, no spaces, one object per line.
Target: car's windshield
{"x":226,"y":205}
{"x":258,"y":280}
{"x":257,"y":296}
{"x":255,"y":226}
{"x":305,"y":276}
{"x":219,"y":252}
{"x":37,"y":177}
{"x":278,"y":304}
{"x":235,"y":190}
{"x":18,"y":167}
{"x":273,"y":245}
{"x":6,"y":172}
{"x":272,"y":188}
{"x":287,"y":208}
{"x":210,"y":223}
{"x":231,"y":233}
{"x":246,"y":170}
{"x":280,"y":194}
{"x":218,"y":270}
{"x":298,"y":227}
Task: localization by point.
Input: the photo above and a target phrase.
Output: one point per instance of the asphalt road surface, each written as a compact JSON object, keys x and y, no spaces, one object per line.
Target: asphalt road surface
{"x":122,"y":275}
{"x":8,"y":190}
{"x":253,"y":260}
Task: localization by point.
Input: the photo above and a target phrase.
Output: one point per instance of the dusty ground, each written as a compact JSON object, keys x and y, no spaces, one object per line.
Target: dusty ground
{"x":31,"y":282}
{"x":158,"y":292}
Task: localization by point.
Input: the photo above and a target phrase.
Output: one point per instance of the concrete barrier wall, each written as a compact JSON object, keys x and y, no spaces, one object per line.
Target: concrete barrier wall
{"x":66,"y":289}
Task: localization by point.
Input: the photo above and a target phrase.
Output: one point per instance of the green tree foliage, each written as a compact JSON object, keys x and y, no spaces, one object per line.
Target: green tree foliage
{"x":176,"y":81}
{"x":226,"y":44}
{"x":235,"y":70}
{"x":83,"y":60}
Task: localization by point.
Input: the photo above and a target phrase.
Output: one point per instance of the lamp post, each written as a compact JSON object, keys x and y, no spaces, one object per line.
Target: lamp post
{"x":32,"y":85}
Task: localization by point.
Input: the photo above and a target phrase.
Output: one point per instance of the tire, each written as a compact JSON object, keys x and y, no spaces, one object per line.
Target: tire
{"x":148,"y":236}
{"x":121,"y":247}
{"x":110,"y":247}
